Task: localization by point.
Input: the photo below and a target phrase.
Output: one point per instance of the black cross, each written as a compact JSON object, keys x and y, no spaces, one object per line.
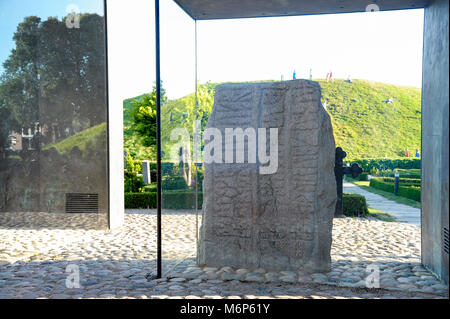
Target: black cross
{"x":339,"y":171}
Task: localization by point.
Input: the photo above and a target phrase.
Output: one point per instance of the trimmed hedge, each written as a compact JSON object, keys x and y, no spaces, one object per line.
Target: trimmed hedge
{"x":363,"y":177}
{"x":150,"y":188}
{"x":171,"y":200}
{"x":411,"y":192}
{"x":355,"y":205}
{"x":404,"y":173}
{"x":378,"y":183}
{"x":402,"y":181}
{"x":371,"y":164}
{"x":140,"y":200}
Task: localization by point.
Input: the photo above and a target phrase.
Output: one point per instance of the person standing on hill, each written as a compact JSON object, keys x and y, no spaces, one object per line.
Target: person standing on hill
{"x":417,"y":153}
{"x":294,"y":76}
{"x":407,"y":153}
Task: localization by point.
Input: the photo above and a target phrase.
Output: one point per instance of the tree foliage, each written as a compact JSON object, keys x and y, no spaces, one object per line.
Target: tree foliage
{"x":143,"y":112}
{"x":54,"y":78}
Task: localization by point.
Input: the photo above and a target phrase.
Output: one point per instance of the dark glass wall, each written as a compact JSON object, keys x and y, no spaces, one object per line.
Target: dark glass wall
{"x":53,"y":110}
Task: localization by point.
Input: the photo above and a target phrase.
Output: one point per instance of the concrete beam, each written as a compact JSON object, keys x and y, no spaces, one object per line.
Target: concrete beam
{"x":229,"y":9}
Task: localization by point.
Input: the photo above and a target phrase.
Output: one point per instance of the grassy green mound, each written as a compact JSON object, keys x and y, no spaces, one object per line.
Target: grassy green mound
{"x":370,"y":119}
{"x":83,"y":139}
{"x":373,"y":119}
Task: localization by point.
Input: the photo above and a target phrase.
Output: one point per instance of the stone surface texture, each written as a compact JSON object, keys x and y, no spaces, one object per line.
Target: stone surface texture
{"x":279,"y":221}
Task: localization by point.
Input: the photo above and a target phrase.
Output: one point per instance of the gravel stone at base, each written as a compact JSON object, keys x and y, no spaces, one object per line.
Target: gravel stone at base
{"x":118,"y":264}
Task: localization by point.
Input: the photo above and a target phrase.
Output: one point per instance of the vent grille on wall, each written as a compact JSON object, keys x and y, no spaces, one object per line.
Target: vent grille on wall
{"x":81,"y":203}
{"x":446,"y":240}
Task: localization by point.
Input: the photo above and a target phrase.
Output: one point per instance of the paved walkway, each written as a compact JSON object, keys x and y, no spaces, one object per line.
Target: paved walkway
{"x":403,"y":213}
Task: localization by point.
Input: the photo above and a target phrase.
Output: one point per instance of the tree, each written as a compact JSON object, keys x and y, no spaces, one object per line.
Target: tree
{"x":144,"y":116}
{"x":19,"y":89}
{"x":55,"y":77}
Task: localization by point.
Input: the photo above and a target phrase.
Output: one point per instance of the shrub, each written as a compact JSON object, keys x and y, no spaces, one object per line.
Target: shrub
{"x":378,"y":183}
{"x":150,"y":188}
{"x":177,"y":181}
{"x":181,"y":200}
{"x":403,"y":181}
{"x":410,"y":173}
{"x":171,"y":200}
{"x":363,"y":177}
{"x":174,"y":183}
{"x":133,"y":183}
{"x":354,"y":205}
{"x":409,"y":191}
{"x":404,"y":173}
{"x":373,"y":164}
{"x":140,"y":200}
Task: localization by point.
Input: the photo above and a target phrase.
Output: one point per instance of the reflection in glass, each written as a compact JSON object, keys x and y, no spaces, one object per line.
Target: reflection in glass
{"x":180,"y":183}
{"x":53,"y":143}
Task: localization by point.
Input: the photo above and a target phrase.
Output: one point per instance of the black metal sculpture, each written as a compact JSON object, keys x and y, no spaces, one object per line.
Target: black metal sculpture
{"x":339,"y":171}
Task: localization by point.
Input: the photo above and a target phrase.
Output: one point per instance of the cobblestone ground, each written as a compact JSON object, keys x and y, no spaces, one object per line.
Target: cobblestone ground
{"x":36,"y":250}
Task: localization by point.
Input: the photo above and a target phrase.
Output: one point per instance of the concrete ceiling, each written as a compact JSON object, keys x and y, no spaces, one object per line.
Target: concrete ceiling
{"x":229,"y":9}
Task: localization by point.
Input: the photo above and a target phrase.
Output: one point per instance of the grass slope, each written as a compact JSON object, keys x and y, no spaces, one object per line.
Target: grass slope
{"x":81,"y":139}
{"x":365,"y":124}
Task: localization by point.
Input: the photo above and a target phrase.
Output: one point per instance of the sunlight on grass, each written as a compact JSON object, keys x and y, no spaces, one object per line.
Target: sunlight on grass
{"x":378,"y":214}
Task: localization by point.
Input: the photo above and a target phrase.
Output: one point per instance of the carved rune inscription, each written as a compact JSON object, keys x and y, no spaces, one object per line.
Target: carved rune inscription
{"x":279,"y":221}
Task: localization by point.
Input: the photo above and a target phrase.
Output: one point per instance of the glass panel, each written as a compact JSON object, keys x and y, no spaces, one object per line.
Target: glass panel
{"x":53,"y":112}
{"x":369,"y":78}
{"x":178,"y":112}
{"x":372,"y":100}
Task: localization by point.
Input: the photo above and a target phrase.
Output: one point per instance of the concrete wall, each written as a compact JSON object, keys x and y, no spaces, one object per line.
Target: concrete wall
{"x":115,"y":127}
{"x":435,"y":100}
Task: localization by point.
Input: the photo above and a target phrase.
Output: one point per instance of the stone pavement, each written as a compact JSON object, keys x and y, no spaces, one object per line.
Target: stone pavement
{"x":117,"y":264}
{"x":403,"y":213}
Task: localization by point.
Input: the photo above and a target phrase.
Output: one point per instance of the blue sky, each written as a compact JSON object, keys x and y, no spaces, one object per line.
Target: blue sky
{"x":12,"y":12}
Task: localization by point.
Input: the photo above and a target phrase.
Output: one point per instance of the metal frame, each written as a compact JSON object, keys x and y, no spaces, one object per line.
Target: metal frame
{"x":105,"y":8}
{"x":414,"y":4}
{"x":158,"y":142}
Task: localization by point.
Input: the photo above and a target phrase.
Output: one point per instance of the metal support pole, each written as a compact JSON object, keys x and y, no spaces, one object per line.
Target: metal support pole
{"x":158,"y":142}
{"x":196,"y":128}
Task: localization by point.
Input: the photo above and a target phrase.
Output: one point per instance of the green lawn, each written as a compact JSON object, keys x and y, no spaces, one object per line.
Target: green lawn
{"x":360,"y":112}
{"x":81,"y":139}
{"x":378,"y":214}
{"x":398,"y":199}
